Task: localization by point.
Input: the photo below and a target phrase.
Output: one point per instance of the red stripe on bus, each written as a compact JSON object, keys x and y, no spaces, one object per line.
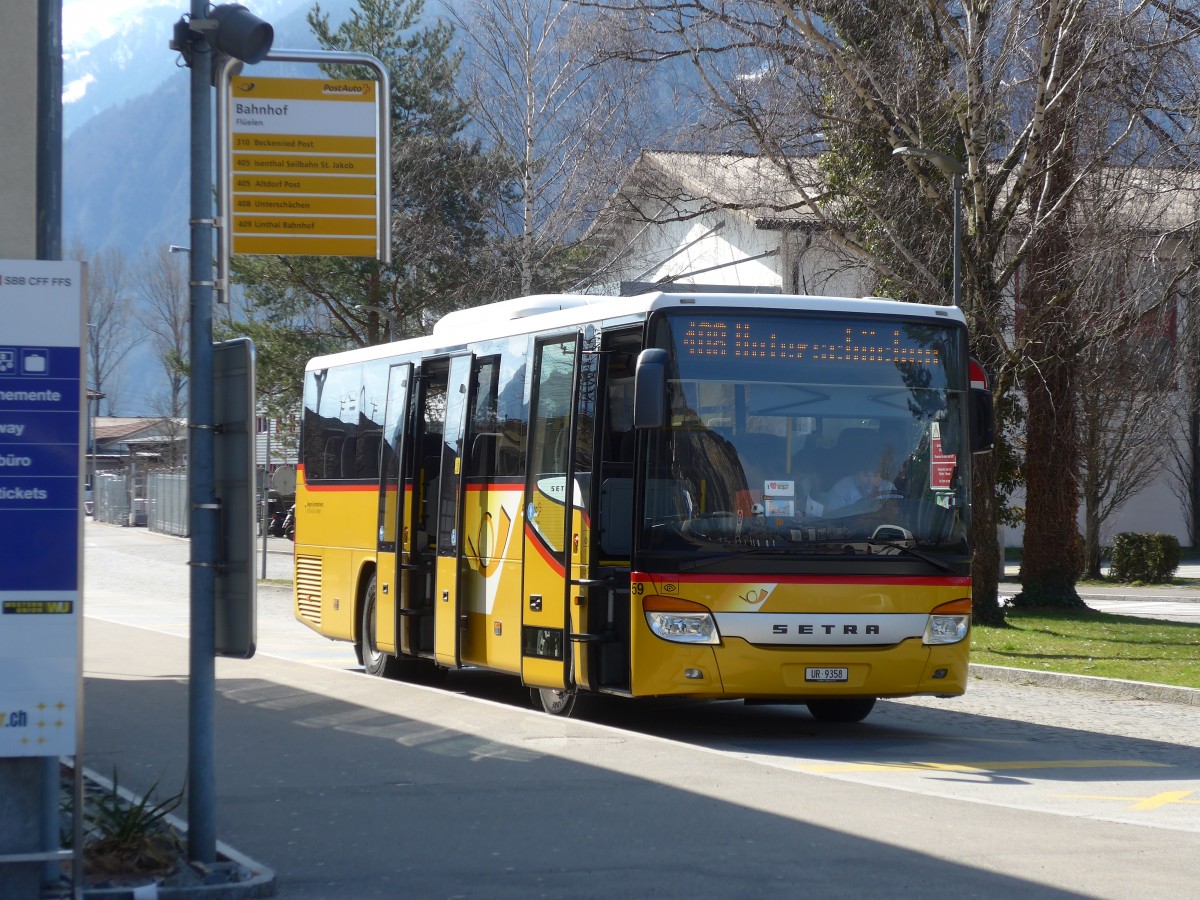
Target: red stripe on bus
{"x":534,"y":538}
{"x":348,"y":488}
{"x":913,"y":580}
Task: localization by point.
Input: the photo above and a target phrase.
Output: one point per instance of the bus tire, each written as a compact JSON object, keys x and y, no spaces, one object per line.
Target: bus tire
{"x":555,"y":702}
{"x":374,"y":660}
{"x":854,"y":710}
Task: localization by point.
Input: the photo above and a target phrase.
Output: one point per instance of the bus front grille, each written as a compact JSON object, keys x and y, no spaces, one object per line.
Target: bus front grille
{"x":308,"y":588}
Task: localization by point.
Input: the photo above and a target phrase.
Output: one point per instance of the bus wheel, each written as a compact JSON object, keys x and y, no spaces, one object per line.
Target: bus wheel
{"x":553,"y":701}
{"x":374,"y":660}
{"x":841,"y":710}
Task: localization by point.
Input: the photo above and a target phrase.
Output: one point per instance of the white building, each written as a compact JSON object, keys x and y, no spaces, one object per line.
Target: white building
{"x":710,"y":221}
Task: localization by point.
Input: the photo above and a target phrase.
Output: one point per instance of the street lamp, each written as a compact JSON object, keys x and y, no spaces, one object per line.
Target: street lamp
{"x":947,"y":165}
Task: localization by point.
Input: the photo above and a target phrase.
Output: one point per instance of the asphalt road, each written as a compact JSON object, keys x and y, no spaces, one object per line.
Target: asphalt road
{"x":350,"y":786}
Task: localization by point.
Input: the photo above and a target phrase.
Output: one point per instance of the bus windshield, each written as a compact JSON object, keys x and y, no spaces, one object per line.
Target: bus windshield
{"x":809,"y":435}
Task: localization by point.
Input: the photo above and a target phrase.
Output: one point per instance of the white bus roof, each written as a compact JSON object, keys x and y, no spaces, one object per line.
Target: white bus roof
{"x":548,"y":312}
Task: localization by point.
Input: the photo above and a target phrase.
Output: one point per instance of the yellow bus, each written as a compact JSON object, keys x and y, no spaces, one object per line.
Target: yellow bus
{"x":763,"y":497}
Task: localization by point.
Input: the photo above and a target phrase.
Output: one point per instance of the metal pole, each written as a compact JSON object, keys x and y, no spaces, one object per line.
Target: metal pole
{"x":266,"y":498}
{"x":202,"y":837}
{"x":956,"y":182}
{"x":49,"y":246}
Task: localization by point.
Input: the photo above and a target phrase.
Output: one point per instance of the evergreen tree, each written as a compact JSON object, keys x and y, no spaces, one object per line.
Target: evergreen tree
{"x":442,"y":188}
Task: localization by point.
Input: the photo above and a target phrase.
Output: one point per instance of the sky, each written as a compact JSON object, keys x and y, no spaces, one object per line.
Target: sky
{"x":85,"y":22}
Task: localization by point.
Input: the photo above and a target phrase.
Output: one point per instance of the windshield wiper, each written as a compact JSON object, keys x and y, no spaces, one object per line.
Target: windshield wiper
{"x":689,"y":565}
{"x":924,"y":557}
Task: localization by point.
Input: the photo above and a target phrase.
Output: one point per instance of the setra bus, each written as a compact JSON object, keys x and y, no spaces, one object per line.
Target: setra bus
{"x":763,"y":497}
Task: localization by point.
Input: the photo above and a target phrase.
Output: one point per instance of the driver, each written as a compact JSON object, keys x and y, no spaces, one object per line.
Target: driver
{"x":865,"y":481}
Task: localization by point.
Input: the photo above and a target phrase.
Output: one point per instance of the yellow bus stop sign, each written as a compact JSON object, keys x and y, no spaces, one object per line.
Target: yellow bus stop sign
{"x":304,"y":166}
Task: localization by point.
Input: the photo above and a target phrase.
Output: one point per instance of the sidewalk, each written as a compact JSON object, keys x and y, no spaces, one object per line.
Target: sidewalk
{"x":1176,"y":603}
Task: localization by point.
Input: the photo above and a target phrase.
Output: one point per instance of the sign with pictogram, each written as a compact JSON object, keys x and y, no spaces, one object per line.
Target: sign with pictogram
{"x":303,"y":166}
{"x":41,"y":456}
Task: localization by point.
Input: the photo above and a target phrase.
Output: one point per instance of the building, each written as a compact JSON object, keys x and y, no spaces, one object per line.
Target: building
{"x":714,"y":222}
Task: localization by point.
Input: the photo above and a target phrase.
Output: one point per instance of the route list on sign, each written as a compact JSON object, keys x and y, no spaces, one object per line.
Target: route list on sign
{"x":303,"y":167}
{"x":41,"y":428}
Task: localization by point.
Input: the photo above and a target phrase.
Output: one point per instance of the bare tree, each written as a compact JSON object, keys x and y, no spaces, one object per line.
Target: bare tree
{"x":563,"y":121}
{"x":162,"y":284}
{"x":1184,"y":460}
{"x":1001,"y":88}
{"x":111,"y":331}
{"x":1125,"y":378}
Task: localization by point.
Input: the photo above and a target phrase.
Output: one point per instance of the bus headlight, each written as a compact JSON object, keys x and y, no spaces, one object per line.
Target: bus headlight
{"x":682,"y":621}
{"x":949,"y":623}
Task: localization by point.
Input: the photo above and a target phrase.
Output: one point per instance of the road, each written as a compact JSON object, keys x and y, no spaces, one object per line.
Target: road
{"x":1072,"y":792}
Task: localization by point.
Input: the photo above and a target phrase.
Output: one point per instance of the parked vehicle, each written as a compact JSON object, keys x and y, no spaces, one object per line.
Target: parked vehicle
{"x":276,"y":512}
{"x":289,"y":524}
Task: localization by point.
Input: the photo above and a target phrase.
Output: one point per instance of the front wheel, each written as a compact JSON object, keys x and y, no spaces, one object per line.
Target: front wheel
{"x":841,"y":710}
{"x":554,"y":701}
{"x":374,"y":660}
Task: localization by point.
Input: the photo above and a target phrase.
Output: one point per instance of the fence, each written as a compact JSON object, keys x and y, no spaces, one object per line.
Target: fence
{"x":167,"y":502}
{"x":164,"y":508}
{"x":110,"y":498}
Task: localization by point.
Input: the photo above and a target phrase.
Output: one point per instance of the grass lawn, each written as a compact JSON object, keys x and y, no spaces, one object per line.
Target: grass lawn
{"x":1098,"y":644}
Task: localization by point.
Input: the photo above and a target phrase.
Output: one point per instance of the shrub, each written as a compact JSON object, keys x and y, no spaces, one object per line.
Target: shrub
{"x":1150,"y":558}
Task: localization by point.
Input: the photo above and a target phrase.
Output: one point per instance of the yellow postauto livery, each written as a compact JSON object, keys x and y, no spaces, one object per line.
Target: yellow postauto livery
{"x":711,"y":495}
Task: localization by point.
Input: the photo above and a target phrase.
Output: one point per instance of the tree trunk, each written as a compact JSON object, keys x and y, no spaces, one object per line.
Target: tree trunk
{"x":986,"y":565}
{"x":1051,"y":558}
{"x":1091,"y":538}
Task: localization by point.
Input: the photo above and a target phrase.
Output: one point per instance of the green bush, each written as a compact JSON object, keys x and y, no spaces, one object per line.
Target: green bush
{"x":1149,"y":558}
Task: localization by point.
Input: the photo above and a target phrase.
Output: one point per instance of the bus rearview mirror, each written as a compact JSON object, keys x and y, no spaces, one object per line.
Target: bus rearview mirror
{"x":650,"y":389}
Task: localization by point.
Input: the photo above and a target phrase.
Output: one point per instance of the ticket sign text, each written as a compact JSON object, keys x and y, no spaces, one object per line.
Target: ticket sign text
{"x":41,"y":428}
{"x":303,"y":167}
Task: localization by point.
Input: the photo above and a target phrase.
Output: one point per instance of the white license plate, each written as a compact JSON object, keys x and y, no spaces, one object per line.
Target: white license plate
{"x":826,"y":674}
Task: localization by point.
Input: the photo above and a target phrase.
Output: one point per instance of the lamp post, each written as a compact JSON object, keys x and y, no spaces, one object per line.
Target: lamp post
{"x":947,"y":165}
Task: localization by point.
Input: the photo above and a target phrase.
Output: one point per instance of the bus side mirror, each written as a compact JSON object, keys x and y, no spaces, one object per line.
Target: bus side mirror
{"x":983,"y":422}
{"x":983,"y":416}
{"x":650,"y":389}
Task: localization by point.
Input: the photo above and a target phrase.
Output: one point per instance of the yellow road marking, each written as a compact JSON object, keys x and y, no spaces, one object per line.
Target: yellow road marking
{"x":983,"y":767}
{"x":1164,"y":799}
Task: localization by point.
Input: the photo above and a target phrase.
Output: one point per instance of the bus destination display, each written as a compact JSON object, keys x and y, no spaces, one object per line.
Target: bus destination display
{"x":714,"y":338}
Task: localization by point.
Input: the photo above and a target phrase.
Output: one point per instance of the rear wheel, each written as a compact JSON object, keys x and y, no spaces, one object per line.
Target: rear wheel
{"x":374,"y":660}
{"x":841,"y":710}
{"x":556,"y":702}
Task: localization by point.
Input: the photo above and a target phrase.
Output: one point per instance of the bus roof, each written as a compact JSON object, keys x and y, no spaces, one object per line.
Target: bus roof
{"x":547,"y":312}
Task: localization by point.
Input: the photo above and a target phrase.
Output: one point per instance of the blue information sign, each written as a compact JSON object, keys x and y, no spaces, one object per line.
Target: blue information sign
{"x":41,"y":428}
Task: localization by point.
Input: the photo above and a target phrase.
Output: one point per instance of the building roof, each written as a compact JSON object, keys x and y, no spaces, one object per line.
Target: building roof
{"x":118,"y":430}
{"x":671,"y":185}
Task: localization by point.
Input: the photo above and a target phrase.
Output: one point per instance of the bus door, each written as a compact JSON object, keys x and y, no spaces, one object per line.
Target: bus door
{"x":449,"y":615}
{"x":419,"y":518}
{"x":392,"y":551}
{"x":551,"y":523}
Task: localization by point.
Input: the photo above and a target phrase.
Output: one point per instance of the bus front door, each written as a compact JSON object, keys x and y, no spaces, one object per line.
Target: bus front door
{"x":449,"y":615}
{"x":392,"y":549}
{"x":551,"y":498}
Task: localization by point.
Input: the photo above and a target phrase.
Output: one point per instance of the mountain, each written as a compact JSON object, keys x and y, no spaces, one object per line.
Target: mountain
{"x":126,"y":167}
{"x":126,"y":157}
{"x":135,"y":59}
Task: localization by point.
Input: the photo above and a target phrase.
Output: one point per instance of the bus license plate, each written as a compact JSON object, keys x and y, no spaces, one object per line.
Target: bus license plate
{"x":826,"y":674}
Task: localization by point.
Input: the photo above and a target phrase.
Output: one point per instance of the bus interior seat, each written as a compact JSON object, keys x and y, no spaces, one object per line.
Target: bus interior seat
{"x":348,"y":457}
{"x":369,"y":466}
{"x":483,"y":454}
{"x":331,"y":455}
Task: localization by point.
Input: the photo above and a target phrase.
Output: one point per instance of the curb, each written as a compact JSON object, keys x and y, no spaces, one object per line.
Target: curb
{"x":233,"y":877}
{"x":1109,"y":687}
